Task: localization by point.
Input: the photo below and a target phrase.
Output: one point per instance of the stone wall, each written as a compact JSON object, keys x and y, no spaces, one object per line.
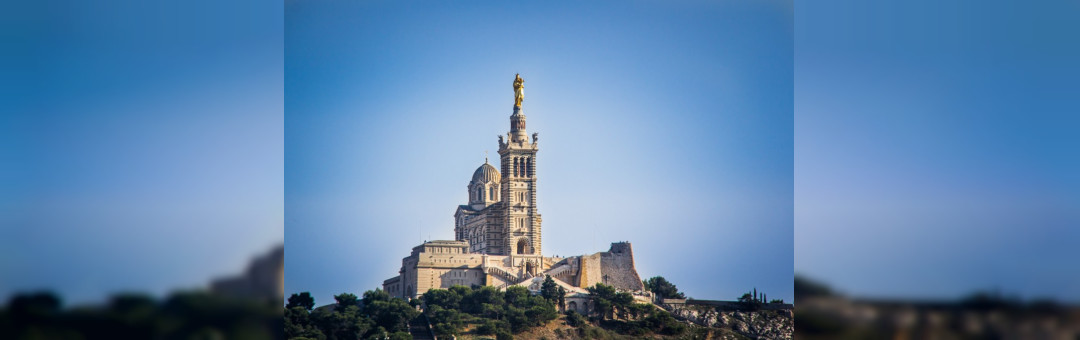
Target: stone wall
{"x":442,"y":264}
{"x":614,"y":267}
{"x":590,"y":270}
{"x":617,"y":265}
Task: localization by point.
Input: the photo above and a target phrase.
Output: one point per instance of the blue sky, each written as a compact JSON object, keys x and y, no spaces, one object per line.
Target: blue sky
{"x":933,"y":146}
{"x":141,"y":152}
{"x":936,"y":148}
{"x":666,"y":125}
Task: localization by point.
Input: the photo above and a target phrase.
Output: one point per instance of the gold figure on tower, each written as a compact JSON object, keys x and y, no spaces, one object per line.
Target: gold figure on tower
{"x":519,"y":90}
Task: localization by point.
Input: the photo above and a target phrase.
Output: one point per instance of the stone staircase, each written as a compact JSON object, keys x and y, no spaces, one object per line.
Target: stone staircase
{"x":418,"y":328}
{"x":563,"y":273}
{"x":505,"y":276}
{"x":549,"y":262}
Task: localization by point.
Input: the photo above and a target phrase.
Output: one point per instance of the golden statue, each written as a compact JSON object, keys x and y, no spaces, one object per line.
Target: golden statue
{"x":519,"y":89}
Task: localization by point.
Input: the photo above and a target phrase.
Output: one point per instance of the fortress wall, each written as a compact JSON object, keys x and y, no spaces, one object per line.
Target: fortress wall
{"x":463,"y":276}
{"x":450,"y":260}
{"x":618,"y":268}
{"x":495,"y":281}
{"x":441,"y":270}
{"x":591,"y":271}
{"x":392,"y":286}
{"x":442,"y":278}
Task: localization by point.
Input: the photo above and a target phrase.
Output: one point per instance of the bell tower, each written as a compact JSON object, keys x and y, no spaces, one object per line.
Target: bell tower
{"x":520,"y":221}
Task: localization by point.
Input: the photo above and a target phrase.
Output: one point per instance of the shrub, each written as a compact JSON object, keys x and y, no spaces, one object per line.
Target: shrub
{"x":663,"y":323}
{"x":504,"y":335}
{"x":488,"y":328}
{"x":574,"y":319}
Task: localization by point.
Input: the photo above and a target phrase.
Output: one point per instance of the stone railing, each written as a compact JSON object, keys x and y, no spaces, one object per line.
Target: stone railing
{"x":549,"y":262}
{"x":563,"y":273}
{"x":502,"y":274}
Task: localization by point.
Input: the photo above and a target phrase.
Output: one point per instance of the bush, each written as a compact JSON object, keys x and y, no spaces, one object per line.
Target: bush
{"x":574,"y":319}
{"x":488,"y":328}
{"x":596,"y":333}
{"x":663,"y":323}
{"x":504,"y":335}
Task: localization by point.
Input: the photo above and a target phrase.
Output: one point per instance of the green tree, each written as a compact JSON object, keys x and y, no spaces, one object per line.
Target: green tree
{"x":444,"y":322}
{"x":574,"y":319}
{"x":562,"y":297}
{"x":540,"y":313}
{"x":516,"y":296}
{"x":662,"y":288}
{"x":345,"y":300}
{"x":550,"y":290}
{"x":489,"y":327}
{"x":662,"y":322}
{"x":375,"y":295}
{"x":461,"y":291}
{"x":486,"y":301}
{"x":516,"y":318}
{"x":301,"y":300}
{"x":607,"y":300}
{"x":447,"y":299}
{"x":298,"y":324}
{"x":393,"y":314}
{"x":749,"y":302}
{"x":345,"y":321}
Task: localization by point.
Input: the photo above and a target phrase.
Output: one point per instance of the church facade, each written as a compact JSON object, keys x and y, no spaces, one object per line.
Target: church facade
{"x":498,"y":235}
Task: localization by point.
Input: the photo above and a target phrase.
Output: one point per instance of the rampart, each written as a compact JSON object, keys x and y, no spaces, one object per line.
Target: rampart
{"x":617,"y":265}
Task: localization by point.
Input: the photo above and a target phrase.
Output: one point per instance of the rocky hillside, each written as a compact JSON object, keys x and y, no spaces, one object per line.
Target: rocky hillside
{"x":764,"y":324}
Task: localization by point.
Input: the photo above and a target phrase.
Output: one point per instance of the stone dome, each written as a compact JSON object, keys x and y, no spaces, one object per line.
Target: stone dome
{"x":485,"y":174}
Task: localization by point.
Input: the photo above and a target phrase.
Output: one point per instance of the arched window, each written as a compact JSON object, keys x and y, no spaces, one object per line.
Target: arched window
{"x":528,"y":167}
{"x":522,"y":246}
{"x":491,"y":193}
{"x":515,"y":166}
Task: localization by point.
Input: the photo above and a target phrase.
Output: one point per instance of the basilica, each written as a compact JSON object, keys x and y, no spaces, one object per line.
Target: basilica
{"x":497,"y":234}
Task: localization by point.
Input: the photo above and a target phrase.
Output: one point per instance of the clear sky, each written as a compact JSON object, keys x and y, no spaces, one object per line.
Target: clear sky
{"x":668,"y":125}
{"x":141,"y":144}
{"x":937,"y":150}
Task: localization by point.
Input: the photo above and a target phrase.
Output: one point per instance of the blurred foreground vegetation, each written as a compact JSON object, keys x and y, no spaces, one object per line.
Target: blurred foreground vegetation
{"x":186,"y":315}
{"x":825,"y":314}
